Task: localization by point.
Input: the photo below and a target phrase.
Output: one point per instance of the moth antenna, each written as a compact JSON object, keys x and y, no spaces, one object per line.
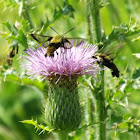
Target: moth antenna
{"x":69,"y":31}
{"x":54,"y":30}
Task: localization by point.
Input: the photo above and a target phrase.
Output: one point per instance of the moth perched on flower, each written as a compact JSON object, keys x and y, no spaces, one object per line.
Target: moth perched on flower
{"x":54,"y":42}
{"x":62,"y":109}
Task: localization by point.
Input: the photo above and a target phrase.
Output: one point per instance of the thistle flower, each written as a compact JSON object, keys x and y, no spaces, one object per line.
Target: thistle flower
{"x":62,"y":109}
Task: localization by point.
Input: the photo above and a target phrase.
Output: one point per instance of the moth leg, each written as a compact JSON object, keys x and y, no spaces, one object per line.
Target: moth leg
{"x":56,"y":52}
{"x":46,"y":55}
{"x":69,"y":47}
{"x":51,"y":55}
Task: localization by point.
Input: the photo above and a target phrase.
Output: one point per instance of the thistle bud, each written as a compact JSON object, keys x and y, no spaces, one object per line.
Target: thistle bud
{"x":63,"y":110}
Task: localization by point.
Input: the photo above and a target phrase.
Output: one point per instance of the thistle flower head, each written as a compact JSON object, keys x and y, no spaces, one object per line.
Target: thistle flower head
{"x":63,"y":109}
{"x":66,"y":62}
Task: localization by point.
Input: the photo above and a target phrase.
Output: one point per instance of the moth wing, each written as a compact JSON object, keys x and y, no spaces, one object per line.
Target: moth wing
{"x":41,"y":38}
{"x":70,"y":42}
{"x":113,"y":51}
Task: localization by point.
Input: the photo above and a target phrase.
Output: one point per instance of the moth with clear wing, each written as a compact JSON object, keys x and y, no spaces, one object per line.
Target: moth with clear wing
{"x":106,"y":60}
{"x":54,"y":42}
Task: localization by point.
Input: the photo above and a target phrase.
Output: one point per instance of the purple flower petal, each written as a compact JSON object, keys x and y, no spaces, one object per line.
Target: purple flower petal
{"x":66,"y":62}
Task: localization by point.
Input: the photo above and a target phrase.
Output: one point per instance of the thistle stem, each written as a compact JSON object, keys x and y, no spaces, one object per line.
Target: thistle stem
{"x":62,"y":136}
{"x":94,"y":30}
{"x":90,"y":110}
{"x":94,"y":23}
{"x":100,"y":112}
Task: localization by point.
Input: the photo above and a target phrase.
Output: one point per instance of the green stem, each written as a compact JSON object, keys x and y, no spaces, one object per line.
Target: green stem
{"x":90,"y":111}
{"x":89,"y":21}
{"x":94,"y":24}
{"x":100,"y":112}
{"x":62,"y":136}
{"x":93,"y":15}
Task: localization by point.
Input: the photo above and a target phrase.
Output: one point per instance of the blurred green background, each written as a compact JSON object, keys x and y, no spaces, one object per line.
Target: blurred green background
{"x":20,"y":101}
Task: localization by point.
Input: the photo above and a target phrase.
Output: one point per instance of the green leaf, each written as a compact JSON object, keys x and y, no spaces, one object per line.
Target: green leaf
{"x":7,"y":24}
{"x":38,"y":126}
{"x":15,"y":35}
{"x":136,"y":74}
{"x":120,"y":33}
{"x":127,"y":116}
{"x":12,"y":76}
{"x":123,"y":125}
{"x":45,"y":25}
{"x":68,"y":9}
{"x":57,"y":14}
{"x":22,"y":38}
{"x":11,"y":27}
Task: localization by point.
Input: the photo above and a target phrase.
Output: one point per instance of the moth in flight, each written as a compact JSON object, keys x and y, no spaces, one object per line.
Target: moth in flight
{"x":54,"y":42}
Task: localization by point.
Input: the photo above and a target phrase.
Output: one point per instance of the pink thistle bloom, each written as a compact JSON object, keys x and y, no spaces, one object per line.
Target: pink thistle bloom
{"x":76,"y":61}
